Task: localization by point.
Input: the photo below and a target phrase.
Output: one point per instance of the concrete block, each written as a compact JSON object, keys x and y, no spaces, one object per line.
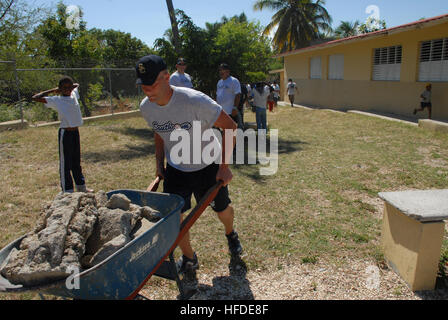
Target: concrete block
{"x":433,"y":125}
{"x":412,"y":248}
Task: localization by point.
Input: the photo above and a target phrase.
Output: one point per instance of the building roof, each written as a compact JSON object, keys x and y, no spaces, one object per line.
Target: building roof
{"x":405,"y":27}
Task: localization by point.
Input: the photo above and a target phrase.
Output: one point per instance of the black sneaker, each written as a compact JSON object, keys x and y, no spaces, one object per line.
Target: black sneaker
{"x":235,"y":247}
{"x":186,"y":265}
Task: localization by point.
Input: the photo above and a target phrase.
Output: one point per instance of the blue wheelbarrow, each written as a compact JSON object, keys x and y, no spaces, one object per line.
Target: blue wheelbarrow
{"x":123,"y":274}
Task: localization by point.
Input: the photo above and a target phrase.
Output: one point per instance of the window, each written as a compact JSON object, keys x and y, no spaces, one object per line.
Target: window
{"x":387,"y":64}
{"x":316,"y":68}
{"x":434,"y":60}
{"x":336,"y":68}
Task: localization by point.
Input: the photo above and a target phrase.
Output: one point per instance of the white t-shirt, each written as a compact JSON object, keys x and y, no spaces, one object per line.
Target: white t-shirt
{"x":226,"y":92}
{"x":426,"y":96}
{"x":292,"y":88}
{"x":260,"y":100}
{"x":181,"y":80}
{"x":186,"y":106}
{"x":277,"y":90}
{"x":67,"y":108}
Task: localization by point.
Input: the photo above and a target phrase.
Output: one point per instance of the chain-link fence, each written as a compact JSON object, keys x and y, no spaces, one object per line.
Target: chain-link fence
{"x":10,"y":97}
{"x":102,"y":91}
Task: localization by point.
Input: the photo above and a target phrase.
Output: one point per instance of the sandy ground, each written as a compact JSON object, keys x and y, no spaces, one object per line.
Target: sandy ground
{"x":354,"y":280}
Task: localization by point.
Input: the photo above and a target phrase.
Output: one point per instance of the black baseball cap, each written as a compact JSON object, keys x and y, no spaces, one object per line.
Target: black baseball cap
{"x":224,"y":66}
{"x":148,"y":69}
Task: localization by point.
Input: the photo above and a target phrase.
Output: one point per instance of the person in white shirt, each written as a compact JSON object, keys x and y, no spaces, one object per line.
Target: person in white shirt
{"x":292,"y":89}
{"x":228,"y":93}
{"x":276,"y":93}
{"x":67,"y":106}
{"x":426,"y":100}
{"x":180,"y":78}
{"x":261,"y":93}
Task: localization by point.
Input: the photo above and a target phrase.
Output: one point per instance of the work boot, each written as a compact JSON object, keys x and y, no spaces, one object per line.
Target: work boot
{"x":235,"y":247}
{"x":187,"y":266}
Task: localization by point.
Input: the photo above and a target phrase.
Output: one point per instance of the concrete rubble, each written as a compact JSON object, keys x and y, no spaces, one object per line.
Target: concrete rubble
{"x":77,"y":230}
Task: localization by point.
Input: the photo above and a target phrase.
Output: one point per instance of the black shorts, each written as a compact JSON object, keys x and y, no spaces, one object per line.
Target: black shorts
{"x":198,"y":183}
{"x":426,"y":105}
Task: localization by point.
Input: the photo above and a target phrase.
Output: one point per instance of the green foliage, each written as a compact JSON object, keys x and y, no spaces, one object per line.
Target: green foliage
{"x":347,"y":29}
{"x":372,"y":25}
{"x":297,"y":22}
{"x":234,"y":41}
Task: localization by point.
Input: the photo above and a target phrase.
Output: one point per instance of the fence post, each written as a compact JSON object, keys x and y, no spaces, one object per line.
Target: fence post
{"x":18,"y":90}
{"x":110,"y":92}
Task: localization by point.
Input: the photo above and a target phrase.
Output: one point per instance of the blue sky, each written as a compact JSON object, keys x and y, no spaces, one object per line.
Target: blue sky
{"x":148,"y":19}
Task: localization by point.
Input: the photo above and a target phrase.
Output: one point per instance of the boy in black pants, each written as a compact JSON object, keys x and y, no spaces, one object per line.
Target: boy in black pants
{"x":67,"y":106}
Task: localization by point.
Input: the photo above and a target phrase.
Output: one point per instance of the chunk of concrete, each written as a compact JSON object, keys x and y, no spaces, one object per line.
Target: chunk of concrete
{"x":119,"y":201}
{"x":77,"y":230}
{"x":56,"y":243}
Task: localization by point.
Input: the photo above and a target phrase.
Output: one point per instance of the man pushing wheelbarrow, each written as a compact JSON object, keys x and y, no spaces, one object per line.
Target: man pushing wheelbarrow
{"x":181,"y":119}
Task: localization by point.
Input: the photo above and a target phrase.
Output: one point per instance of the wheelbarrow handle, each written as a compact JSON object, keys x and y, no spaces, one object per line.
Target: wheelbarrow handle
{"x":185,"y":226}
{"x":154,"y":185}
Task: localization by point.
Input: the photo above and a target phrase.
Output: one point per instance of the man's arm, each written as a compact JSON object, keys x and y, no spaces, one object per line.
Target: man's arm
{"x":40,"y":97}
{"x":160,"y":156}
{"x":236,"y":103}
{"x":224,"y":122}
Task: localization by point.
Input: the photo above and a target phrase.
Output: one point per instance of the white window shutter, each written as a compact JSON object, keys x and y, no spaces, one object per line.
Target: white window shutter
{"x":387,"y":64}
{"x":316,"y":68}
{"x":434,"y":61}
{"x":336,"y":68}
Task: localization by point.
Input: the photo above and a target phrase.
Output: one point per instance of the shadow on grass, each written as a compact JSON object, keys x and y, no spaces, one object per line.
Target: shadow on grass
{"x":131,"y":152}
{"x":145,"y":133}
{"x":232,"y":287}
{"x":251,"y":168}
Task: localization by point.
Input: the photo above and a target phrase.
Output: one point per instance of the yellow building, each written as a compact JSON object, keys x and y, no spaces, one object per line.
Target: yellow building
{"x":385,"y":71}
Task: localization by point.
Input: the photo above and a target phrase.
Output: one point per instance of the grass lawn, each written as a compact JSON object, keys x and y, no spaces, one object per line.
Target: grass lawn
{"x":322,"y":204}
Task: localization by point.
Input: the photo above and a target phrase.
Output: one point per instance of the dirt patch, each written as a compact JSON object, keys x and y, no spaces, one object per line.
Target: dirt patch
{"x":429,"y":158}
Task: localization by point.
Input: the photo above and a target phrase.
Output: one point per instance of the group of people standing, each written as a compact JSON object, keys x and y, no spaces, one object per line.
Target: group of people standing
{"x":233,"y":96}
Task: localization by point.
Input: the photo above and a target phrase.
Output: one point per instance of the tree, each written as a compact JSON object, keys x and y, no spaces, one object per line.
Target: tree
{"x":174,"y":26}
{"x":297,"y":22}
{"x":5,"y":6}
{"x":372,"y":25}
{"x":17,"y":21}
{"x":232,"y":40}
{"x":119,"y":49}
{"x":347,"y":29}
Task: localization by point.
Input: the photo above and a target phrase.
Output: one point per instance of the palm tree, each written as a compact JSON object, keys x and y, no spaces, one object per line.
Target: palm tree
{"x":298,"y":22}
{"x":174,"y":27}
{"x":347,"y":29}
